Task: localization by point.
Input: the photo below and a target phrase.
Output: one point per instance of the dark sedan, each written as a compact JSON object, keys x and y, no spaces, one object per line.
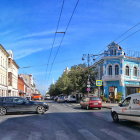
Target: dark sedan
{"x":19,"y":104}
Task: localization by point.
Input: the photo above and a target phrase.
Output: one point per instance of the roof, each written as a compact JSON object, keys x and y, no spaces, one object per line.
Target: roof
{"x":134,"y":94}
{"x":3,"y":49}
{"x":135,"y":58}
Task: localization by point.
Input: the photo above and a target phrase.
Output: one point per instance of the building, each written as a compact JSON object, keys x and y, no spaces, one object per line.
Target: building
{"x":3,"y":71}
{"x":21,"y":86}
{"x":119,"y":72}
{"x":12,"y":76}
{"x":29,"y":83}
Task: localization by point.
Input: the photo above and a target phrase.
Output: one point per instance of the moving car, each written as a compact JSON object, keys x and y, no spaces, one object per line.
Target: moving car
{"x":129,"y":109}
{"x":71,"y":98}
{"x":91,"y":102}
{"x":19,"y":104}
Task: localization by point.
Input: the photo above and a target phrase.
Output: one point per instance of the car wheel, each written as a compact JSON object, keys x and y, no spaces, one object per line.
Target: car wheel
{"x":115,"y":117}
{"x":40,"y":110}
{"x":99,"y":108}
{"x":2,"y":111}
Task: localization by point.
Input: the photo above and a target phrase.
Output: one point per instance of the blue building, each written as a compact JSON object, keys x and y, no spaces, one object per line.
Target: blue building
{"x":119,"y":72}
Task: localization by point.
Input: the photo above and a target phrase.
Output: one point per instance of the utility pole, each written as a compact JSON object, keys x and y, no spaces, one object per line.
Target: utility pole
{"x":88,"y":58}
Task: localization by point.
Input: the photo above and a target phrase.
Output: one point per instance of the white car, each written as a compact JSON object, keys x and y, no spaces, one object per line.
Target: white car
{"x":71,"y":98}
{"x":129,"y":109}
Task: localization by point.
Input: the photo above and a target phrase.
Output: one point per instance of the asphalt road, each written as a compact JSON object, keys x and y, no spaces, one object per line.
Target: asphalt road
{"x":66,"y":122}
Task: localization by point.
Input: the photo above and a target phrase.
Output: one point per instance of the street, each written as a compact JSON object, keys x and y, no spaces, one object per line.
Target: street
{"x":65,"y":121}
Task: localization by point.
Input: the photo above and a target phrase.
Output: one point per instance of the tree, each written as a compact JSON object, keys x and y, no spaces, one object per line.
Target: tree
{"x":73,"y":81}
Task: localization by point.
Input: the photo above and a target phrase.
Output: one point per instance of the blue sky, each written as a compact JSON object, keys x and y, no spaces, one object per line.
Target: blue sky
{"x":28,"y":27}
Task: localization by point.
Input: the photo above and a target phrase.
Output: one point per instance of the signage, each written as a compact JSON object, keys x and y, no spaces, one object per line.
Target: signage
{"x":88,"y":89}
{"x":111,"y":89}
{"x":88,"y":86}
{"x":99,"y":83}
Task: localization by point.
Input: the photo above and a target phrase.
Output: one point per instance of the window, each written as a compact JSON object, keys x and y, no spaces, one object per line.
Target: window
{"x":127,"y":70}
{"x":126,"y":102}
{"x":116,"y":70}
{"x":18,"y":100}
{"x":115,"y":52}
{"x":111,"y":52}
{"x":135,"y":71}
{"x":110,"y":70}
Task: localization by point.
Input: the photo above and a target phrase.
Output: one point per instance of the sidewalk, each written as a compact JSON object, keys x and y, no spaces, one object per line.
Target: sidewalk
{"x":109,"y":105}
{"x":104,"y":105}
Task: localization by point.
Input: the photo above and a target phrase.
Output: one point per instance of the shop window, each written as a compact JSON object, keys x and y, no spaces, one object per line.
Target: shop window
{"x":135,"y":71}
{"x":116,"y":70}
{"x":127,"y":70}
{"x":110,"y":70}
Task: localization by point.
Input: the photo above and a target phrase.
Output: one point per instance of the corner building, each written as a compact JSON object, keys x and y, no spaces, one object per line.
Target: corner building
{"x":119,"y":72}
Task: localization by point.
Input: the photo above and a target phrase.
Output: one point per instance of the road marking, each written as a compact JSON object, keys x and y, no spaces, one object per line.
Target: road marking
{"x":88,"y":135}
{"x":61,"y":135}
{"x":113,"y":134}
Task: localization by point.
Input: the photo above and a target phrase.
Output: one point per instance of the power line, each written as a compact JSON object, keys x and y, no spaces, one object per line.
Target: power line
{"x":63,"y":36}
{"x":126,"y":31}
{"x":42,"y":65}
{"x":128,"y":36}
{"x":123,"y":35}
{"x":52,"y":46}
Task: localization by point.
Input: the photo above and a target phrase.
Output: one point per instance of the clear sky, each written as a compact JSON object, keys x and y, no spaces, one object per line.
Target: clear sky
{"x":27,"y":27}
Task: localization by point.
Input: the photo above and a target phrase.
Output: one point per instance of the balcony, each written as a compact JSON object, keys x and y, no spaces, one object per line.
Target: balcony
{"x":111,"y":77}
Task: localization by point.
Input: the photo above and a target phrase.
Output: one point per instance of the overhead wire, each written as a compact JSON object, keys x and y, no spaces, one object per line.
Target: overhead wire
{"x":63,"y":37}
{"x":122,"y":35}
{"x":54,"y":38}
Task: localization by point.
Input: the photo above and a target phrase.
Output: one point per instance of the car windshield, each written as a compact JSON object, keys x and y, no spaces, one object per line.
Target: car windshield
{"x":94,"y":98}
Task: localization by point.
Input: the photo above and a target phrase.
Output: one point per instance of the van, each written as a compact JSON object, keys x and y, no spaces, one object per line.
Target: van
{"x":129,"y":109}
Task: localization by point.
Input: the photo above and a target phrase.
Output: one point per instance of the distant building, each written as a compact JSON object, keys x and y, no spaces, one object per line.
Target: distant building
{"x":29,"y":83}
{"x":119,"y":72}
{"x":12,"y":76}
{"x":21,"y":86}
{"x":3,"y":71}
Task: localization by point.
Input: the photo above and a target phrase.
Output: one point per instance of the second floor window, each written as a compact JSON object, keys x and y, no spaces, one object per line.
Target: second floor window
{"x":116,"y":70}
{"x":110,"y":70}
{"x":127,"y":70}
{"x":135,"y":71}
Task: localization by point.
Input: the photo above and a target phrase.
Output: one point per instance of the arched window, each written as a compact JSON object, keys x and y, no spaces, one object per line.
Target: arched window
{"x":127,"y":70}
{"x":116,"y":70}
{"x":135,"y":71}
{"x":110,"y":70}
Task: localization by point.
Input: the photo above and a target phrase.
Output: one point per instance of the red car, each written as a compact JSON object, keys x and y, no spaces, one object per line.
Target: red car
{"x":91,"y":102}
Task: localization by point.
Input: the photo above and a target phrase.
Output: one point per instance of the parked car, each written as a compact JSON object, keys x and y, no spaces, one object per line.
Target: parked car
{"x":61,"y":99}
{"x":55,"y":98}
{"x":91,"y":102}
{"x":19,"y":104}
{"x":71,"y":98}
{"x":129,"y":109}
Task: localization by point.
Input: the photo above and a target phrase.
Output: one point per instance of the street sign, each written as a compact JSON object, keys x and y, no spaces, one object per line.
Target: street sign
{"x":99,"y":83}
{"x":88,"y":89}
{"x":88,"y":86}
